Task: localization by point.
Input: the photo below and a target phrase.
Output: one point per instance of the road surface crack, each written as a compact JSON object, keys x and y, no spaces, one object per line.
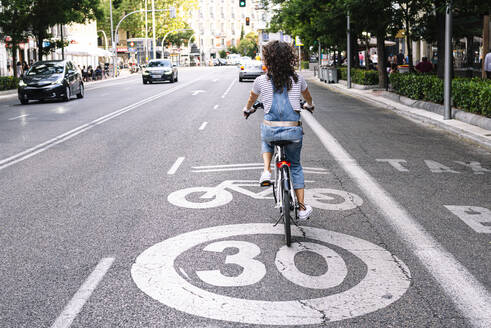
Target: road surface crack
{"x":325,"y":319}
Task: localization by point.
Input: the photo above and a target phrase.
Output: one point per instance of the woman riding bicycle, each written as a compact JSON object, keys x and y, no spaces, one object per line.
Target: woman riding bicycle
{"x":280,"y":88}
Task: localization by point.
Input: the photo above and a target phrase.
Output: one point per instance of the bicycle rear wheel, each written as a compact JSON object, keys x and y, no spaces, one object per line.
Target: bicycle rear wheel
{"x":287,"y":217}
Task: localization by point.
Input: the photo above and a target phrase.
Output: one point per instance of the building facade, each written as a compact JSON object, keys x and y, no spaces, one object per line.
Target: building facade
{"x":218,"y":23}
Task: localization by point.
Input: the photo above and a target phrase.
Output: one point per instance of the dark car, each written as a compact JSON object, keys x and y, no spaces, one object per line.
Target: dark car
{"x":251,"y":70}
{"x":53,"y":79}
{"x":160,"y":70}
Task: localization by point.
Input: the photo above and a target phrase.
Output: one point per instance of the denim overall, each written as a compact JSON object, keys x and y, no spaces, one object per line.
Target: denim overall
{"x":282,"y":110}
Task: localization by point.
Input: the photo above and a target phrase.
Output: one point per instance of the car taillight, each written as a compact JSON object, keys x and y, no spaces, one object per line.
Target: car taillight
{"x":241,"y":68}
{"x":280,"y":164}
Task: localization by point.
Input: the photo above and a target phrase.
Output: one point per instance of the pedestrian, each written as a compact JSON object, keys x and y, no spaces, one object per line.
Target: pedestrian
{"x":84,"y":73}
{"x":400,"y":59}
{"x":487,"y":65}
{"x":90,"y":73}
{"x":393,"y":68}
{"x":19,"y":69}
{"x":280,"y":89}
{"x":424,"y":66}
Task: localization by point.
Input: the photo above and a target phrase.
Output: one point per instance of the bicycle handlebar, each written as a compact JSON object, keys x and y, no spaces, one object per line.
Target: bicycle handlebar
{"x":258,"y":104}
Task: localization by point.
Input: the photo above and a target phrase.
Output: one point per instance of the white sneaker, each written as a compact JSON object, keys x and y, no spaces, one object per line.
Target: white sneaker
{"x":305,"y":214}
{"x":265,"y":179}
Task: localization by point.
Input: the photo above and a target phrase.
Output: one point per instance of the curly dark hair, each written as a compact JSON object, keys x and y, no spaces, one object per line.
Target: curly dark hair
{"x":280,"y":60}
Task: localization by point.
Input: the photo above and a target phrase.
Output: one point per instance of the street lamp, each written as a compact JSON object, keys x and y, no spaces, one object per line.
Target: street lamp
{"x":105,"y":37}
{"x":166,"y":34}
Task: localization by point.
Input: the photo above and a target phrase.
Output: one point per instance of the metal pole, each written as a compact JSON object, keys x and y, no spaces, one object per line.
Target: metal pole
{"x":348,"y":53}
{"x":112,"y":37}
{"x":62,"y":43}
{"x":447,"y":82}
{"x":299,"y":59}
{"x":146,"y":32}
{"x":320,"y":61}
{"x":153,"y":29}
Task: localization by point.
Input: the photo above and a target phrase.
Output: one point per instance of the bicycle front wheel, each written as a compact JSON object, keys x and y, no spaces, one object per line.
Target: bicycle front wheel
{"x":287,"y":217}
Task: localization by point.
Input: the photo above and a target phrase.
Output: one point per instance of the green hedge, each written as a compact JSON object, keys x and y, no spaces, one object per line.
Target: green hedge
{"x":359,"y":76}
{"x":471,"y":95}
{"x":305,"y":64}
{"x":8,"y":82}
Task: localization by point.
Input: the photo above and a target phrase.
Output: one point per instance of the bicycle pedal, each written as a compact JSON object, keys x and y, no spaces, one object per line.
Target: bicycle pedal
{"x":266,"y":184}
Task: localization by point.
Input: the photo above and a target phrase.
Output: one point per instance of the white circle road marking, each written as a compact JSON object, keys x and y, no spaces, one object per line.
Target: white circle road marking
{"x":385,"y":281}
{"x":222,"y":197}
{"x":285,"y":262}
{"x":318,"y":197}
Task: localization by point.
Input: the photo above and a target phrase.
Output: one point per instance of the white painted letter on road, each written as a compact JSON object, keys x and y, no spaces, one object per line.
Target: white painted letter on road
{"x":436,"y":167}
{"x":475,"y":166}
{"x":478,"y":218}
{"x":396,"y":163}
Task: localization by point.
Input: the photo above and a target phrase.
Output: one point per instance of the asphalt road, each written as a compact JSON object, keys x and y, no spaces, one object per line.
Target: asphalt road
{"x":138,"y":206}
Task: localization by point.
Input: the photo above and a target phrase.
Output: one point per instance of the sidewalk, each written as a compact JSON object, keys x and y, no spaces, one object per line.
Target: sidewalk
{"x":123,"y":74}
{"x":463,"y":130}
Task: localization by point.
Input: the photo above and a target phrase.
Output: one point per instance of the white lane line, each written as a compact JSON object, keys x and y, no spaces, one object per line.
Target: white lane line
{"x":215,"y":107}
{"x":4,"y":163}
{"x":203,"y":126}
{"x":228,"y":89}
{"x":175,"y":166}
{"x":20,"y":116}
{"x":72,"y":309}
{"x":469,"y":295}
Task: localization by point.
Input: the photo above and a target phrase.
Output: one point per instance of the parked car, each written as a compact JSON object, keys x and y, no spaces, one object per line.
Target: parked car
{"x":251,"y":70}
{"x":233,"y":59}
{"x":160,"y":70}
{"x":51,"y":79}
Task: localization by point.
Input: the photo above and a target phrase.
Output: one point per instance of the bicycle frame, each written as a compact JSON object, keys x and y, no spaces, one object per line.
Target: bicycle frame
{"x":282,"y":178}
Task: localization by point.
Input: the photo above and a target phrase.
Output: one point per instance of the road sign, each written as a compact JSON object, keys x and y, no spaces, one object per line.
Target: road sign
{"x":298,"y":42}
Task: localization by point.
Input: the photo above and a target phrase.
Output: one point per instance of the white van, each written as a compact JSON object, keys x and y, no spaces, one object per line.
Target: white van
{"x":233,"y":59}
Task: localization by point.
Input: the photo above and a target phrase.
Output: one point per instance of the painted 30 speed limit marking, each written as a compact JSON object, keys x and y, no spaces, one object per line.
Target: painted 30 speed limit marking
{"x":386,"y":279}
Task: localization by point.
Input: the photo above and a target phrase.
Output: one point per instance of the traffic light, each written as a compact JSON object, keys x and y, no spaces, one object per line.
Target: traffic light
{"x":242,"y":3}
{"x":248,"y":21}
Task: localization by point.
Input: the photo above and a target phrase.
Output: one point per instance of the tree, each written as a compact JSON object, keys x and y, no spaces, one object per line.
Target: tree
{"x":134,"y":24}
{"x":407,"y":16}
{"x":15,"y":24}
{"x":44,"y":14}
{"x":248,"y":45}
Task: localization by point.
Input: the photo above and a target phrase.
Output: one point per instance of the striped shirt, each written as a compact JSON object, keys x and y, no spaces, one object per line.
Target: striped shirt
{"x":264,"y":87}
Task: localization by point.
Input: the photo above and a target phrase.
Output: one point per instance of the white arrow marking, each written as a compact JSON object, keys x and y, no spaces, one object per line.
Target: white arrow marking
{"x":198,"y":92}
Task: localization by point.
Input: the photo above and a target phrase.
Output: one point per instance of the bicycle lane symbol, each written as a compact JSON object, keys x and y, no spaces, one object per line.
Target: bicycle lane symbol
{"x":322,"y":198}
{"x":386,"y":280}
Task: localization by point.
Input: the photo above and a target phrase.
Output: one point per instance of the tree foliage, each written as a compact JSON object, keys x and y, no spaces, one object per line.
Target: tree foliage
{"x":248,"y":45}
{"x":134,"y":24}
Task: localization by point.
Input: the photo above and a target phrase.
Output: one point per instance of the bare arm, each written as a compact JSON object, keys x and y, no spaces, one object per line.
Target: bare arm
{"x":306,"y":95}
{"x":252,"y":99}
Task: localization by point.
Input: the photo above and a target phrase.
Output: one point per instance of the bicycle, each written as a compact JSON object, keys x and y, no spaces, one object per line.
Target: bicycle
{"x":283,"y":192}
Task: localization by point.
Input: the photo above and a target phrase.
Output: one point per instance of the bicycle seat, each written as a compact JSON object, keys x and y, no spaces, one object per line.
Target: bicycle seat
{"x":281,"y":143}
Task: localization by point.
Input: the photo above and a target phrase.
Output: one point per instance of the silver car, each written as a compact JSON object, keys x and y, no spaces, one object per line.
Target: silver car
{"x":160,"y":70}
{"x":251,"y":70}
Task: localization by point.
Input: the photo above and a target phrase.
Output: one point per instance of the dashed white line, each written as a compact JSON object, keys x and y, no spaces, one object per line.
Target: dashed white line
{"x":72,"y":309}
{"x":175,"y":166}
{"x":20,"y":116}
{"x":228,"y":89}
{"x":215,"y":107}
{"x":468,"y":294}
{"x":203,"y":126}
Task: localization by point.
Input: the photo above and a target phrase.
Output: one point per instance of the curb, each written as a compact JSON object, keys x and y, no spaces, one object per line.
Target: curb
{"x":462,"y":130}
